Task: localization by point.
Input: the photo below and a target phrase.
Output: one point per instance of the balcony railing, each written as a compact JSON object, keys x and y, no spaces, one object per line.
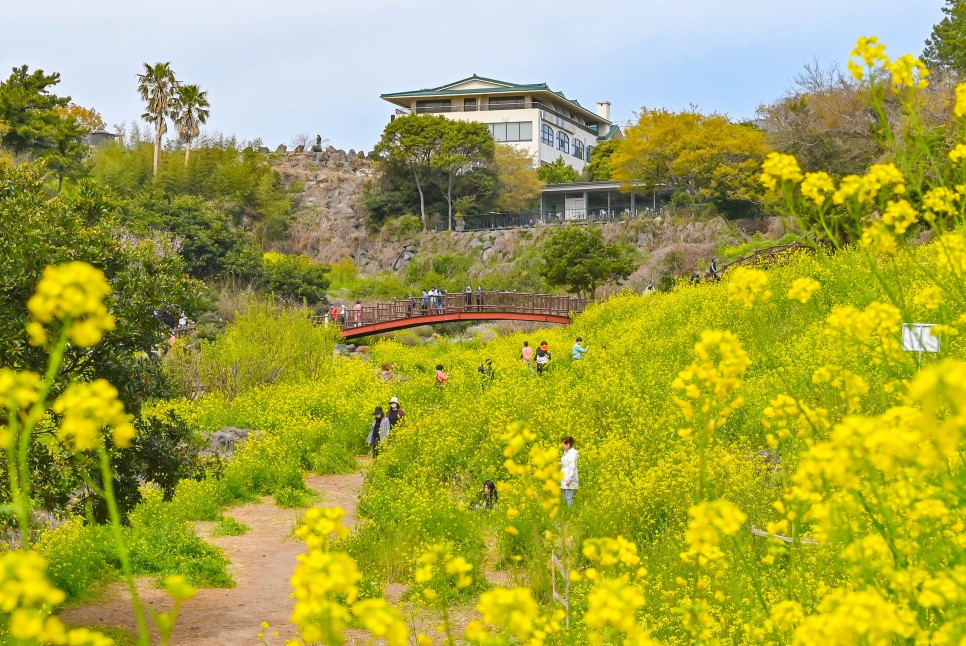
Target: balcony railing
{"x":516,"y":105}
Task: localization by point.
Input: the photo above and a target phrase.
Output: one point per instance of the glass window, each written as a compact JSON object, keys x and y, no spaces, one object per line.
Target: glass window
{"x":469,"y":105}
{"x":578,"y":148}
{"x":563,"y":142}
{"x":513,"y":132}
{"x":434,"y":105}
{"x":526,"y":131}
{"x":499,"y":131}
{"x":590,"y":151}
{"x":506,"y":102}
{"x":546,"y":134}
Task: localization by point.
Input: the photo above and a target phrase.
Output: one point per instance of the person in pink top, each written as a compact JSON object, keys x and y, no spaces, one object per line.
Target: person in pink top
{"x":441,"y":376}
{"x":357,"y":312}
{"x":526,"y":353}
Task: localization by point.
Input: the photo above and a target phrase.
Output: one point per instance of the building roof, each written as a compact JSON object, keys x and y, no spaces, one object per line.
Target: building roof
{"x":492,"y":86}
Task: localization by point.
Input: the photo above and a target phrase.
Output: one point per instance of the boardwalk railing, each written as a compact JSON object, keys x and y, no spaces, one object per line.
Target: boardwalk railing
{"x":476,"y":305}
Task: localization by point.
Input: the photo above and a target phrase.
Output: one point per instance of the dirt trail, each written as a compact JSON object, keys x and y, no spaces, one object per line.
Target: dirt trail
{"x":261,"y":563}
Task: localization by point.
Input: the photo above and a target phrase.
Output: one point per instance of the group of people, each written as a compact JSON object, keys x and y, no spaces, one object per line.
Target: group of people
{"x":542,"y":357}
{"x":569,"y":478}
{"x":341,"y":315}
{"x":383,"y":423}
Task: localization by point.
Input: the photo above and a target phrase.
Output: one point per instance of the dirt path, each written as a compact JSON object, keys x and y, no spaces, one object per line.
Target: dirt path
{"x":261,"y":563}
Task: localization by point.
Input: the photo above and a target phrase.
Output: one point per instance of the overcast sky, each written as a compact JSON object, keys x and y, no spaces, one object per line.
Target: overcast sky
{"x":274,"y":68}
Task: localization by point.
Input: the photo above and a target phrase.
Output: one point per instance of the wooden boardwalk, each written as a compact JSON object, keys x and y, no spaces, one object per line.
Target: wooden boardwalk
{"x":459,"y":306}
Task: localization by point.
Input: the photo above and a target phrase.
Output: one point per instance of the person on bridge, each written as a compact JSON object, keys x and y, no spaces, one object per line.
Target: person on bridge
{"x":468,"y":297}
{"x":396,"y":414}
{"x":335,"y":314}
{"x":378,"y":432}
{"x":343,"y":314}
{"x":425,"y":302}
{"x":479,"y":297}
{"x":543,"y":357}
{"x":578,"y":350}
{"x":441,"y":376}
{"x":357,"y":313}
{"x":410,"y":305}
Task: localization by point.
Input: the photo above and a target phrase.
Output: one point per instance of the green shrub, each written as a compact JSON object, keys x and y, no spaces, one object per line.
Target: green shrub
{"x":77,"y":556}
{"x":228,"y":526}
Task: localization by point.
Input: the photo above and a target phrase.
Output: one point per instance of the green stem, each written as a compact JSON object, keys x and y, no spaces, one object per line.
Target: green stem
{"x":119,"y":543}
{"x":22,"y":464}
{"x":16,"y":494}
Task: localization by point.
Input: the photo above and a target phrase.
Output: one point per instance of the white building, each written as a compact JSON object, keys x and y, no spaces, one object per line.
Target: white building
{"x":533,"y":118}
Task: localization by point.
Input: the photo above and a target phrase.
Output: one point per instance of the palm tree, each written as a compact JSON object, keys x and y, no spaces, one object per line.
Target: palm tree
{"x":157,"y":86}
{"x":191,"y":111}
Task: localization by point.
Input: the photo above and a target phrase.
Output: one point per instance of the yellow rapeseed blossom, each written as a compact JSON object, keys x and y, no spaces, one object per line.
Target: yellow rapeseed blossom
{"x":321,"y":526}
{"x":876,"y":328}
{"x":747,"y":286}
{"x":709,"y":523}
{"x":779,"y":167}
{"x":959,"y":109}
{"x":871,"y":51}
{"x":511,"y":613}
{"x":73,"y":293}
{"x":847,"y":617}
{"x":940,"y":200}
{"x":18,"y":390}
{"x":180,"y":589}
{"x":878,"y":238}
{"x":958,"y":153}
{"x":86,"y":409}
{"x":929,"y":297}
{"x":951,"y":253}
{"x":803,"y":289}
{"x":908,"y":71}
{"x":382,"y":620}
{"x":899,"y":215}
{"x":817,"y":187}
{"x":720,"y":364}
{"x":610,"y":552}
{"x":867,"y":188}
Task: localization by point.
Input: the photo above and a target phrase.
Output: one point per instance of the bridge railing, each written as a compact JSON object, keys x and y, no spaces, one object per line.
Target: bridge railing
{"x":461,"y":302}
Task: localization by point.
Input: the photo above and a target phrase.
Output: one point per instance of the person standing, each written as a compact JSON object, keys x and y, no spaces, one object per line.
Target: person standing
{"x":396,"y":414}
{"x":487,"y":374}
{"x":335,"y":314}
{"x":578,"y":350}
{"x":425,"y":302}
{"x":543,"y":357}
{"x":343,"y":315}
{"x":357,"y":312}
{"x":378,"y":432}
{"x":568,"y":464}
{"x":468,"y":297}
{"x":526,"y":353}
{"x":479,"y":297}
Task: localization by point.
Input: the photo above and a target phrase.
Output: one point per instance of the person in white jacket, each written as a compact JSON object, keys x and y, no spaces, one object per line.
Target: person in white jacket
{"x":568,"y":464}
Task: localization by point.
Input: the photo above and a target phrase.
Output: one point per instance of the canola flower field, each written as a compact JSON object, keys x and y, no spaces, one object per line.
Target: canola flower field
{"x":760,"y":459}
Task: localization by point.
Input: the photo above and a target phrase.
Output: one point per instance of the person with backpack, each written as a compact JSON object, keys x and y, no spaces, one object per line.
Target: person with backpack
{"x":441,"y":376}
{"x":543,"y":357}
{"x":378,"y":432}
{"x":396,"y":414}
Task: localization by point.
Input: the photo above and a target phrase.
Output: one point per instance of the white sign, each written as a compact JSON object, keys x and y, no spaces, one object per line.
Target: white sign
{"x":917,"y":337}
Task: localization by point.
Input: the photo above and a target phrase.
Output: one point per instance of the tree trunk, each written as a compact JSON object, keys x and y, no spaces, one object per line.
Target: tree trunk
{"x":422,"y":201}
{"x":187,"y":152}
{"x":449,"y":200}
{"x":157,"y":148}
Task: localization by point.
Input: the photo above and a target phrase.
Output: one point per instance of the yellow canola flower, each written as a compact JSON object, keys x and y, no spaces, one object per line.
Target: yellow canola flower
{"x":608,"y":552}
{"x":73,"y":293}
{"x":867,"y":188}
{"x":848,"y":617}
{"x":878,"y":238}
{"x":18,"y":390}
{"x":899,"y":215}
{"x":871,"y":51}
{"x":709,"y":523}
{"x":951,"y":253}
{"x":382,"y":620}
{"x":959,"y":109}
{"x":929,"y":297}
{"x":321,"y":526}
{"x":180,"y":590}
{"x":817,"y":186}
{"x":958,"y":153}
{"x":908,"y":71}
{"x":940,"y":200}
{"x":747,"y":286}
{"x":779,"y":167}
{"x":89,"y":407}
{"x":803,"y":289}
{"x":514,"y":612}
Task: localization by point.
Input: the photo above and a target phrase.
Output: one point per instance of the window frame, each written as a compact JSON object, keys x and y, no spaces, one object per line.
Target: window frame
{"x":563,"y":142}
{"x":546,"y":134}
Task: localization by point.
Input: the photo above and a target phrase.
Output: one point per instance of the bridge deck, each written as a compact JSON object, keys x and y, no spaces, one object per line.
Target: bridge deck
{"x":460,"y":306}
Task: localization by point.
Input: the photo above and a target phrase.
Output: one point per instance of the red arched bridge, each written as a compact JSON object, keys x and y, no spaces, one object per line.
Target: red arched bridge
{"x":459,"y":306}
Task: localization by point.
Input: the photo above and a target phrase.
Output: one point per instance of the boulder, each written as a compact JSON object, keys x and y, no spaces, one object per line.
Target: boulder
{"x":281,"y":148}
{"x":225,"y":440}
{"x":263,"y":149}
{"x":362,"y":349}
{"x":300,"y":148}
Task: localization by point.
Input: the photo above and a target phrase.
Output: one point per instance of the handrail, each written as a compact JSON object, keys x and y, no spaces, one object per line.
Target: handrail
{"x":480,"y":303}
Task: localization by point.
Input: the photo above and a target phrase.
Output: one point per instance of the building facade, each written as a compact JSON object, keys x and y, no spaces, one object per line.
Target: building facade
{"x":532,"y":118}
